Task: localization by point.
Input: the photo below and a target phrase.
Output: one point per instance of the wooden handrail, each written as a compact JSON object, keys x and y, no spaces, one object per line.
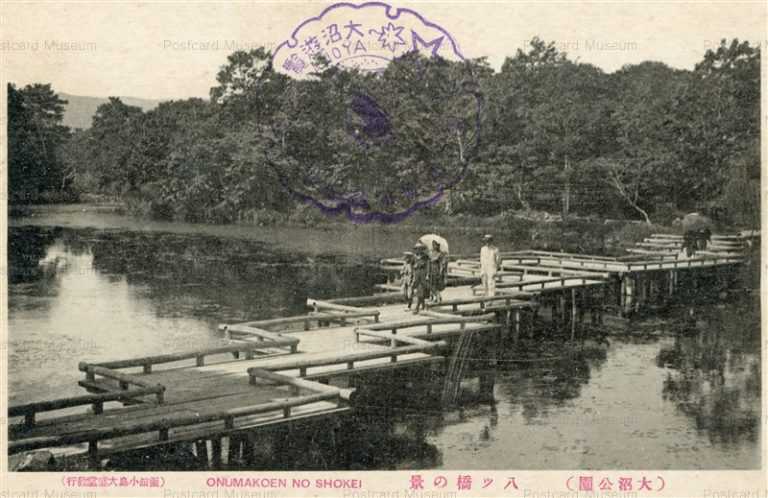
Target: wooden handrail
{"x":539,"y":281}
{"x":318,"y":304}
{"x":686,"y":262}
{"x":294,"y":364}
{"x":369,"y":300}
{"x":392,"y":261}
{"x":92,"y":370}
{"x":28,"y":410}
{"x":521,"y":296}
{"x":392,"y":337}
{"x":147,"y":361}
{"x":255,"y":373}
{"x":404,"y":324}
{"x":311,"y":317}
{"x":549,"y":270}
{"x":248,"y":329}
{"x":570,"y":255}
{"x":95,"y":435}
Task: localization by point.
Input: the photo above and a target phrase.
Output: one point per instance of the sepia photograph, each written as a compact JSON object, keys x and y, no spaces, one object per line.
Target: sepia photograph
{"x":436,"y":238}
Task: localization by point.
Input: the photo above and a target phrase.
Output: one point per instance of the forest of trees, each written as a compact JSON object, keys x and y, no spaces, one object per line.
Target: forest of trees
{"x":545,"y":132}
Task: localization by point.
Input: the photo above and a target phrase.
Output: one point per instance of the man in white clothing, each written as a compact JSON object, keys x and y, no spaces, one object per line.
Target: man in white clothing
{"x":490,"y":263}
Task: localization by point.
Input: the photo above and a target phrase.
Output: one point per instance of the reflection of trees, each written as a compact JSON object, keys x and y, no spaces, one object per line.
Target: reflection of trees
{"x":220,"y":278}
{"x":715,"y":373}
{"x":548,"y":374}
{"x":387,"y":430}
{"x":27,"y":246}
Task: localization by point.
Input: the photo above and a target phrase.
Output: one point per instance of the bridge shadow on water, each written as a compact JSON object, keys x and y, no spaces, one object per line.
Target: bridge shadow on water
{"x":682,"y":384}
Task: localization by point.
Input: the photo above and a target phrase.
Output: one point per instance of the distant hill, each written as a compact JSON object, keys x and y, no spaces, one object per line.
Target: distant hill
{"x":80,"y":110}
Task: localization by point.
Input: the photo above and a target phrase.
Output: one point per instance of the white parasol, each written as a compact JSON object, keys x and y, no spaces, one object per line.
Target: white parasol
{"x":430,"y":237}
{"x":696,"y":221}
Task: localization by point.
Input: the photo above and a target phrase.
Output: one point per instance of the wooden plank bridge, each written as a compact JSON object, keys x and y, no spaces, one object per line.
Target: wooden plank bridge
{"x":293,"y":370}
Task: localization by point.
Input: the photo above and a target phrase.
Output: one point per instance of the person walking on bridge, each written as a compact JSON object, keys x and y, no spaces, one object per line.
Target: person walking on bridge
{"x":490,"y":264}
{"x":438,"y":269}
{"x":420,"y":276}
{"x":406,"y":277}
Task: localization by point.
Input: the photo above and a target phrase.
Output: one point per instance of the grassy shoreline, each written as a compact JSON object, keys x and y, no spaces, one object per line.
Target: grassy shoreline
{"x":525,"y":230}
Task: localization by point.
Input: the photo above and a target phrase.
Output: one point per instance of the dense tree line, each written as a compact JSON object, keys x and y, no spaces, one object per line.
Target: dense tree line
{"x":37,"y":168}
{"x":544,"y":132}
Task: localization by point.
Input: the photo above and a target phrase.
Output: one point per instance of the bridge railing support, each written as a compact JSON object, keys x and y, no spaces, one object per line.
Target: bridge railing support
{"x":30,"y":410}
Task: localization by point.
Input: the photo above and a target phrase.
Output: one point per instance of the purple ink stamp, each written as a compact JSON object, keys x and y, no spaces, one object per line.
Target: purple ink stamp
{"x":365,"y":37}
{"x":394,"y":132}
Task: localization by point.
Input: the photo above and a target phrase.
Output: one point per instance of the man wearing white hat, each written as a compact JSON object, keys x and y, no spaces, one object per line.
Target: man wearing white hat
{"x":490,"y":263}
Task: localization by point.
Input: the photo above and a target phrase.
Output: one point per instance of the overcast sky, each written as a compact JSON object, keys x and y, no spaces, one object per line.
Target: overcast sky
{"x":167,"y":50}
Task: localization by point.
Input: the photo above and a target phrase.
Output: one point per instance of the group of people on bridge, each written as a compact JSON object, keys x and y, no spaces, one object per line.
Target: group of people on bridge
{"x":425,"y":272}
{"x":696,"y":240}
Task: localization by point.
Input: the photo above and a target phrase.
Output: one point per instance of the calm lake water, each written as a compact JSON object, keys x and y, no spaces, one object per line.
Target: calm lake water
{"x":99,"y":286}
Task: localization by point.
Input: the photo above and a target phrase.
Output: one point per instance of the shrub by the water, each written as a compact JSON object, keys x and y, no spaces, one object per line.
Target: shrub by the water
{"x":262,"y":217}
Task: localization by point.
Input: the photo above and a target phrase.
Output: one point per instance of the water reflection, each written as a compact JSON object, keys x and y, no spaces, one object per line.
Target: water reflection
{"x":714,"y":374}
{"x":100,"y":295}
{"x":547,"y":374}
{"x":679,"y":400}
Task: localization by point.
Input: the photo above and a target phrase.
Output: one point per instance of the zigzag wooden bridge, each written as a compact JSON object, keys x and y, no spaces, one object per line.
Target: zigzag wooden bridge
{"x":293,"y":371}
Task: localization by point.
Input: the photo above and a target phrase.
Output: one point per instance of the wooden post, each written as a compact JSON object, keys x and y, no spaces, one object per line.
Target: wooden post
{"x":555,"y":312}
{"x":516,"y":335}
{"x":623,"y":294}
{"x":642,"y":296}
{"x":234,"y":449}
{"x":487,"y":382}
{"x":630,"y":292}
{"x":562,"y":307}
{"x":694,"y":276}
{"x":247,"y":450}
{"x":671,"y":282}
{"x":216,"y":448}
{"x":499,"y":346}
{"x":651,"y":287}
{"x":201,"y":450}
{"x":94,"y":462}
{"x":637,"y":288}
{"x":573,"y":313}
{"x":600,"y":307}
